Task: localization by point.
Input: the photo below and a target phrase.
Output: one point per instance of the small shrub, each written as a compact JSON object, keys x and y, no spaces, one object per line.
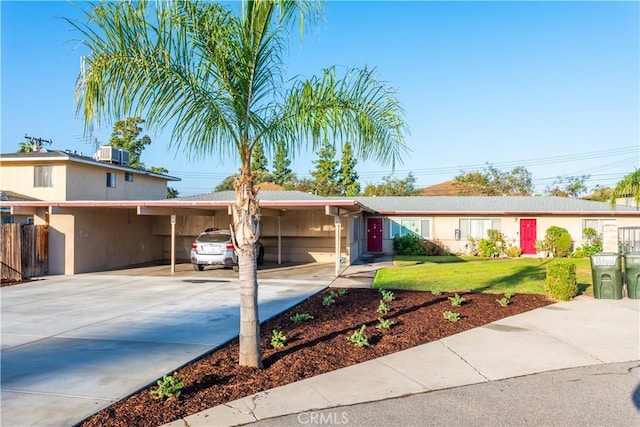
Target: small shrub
{"x":387,"y":296}
{"x":561,"y":283}
{"x":451,"y":316}
{"x":168,"y":386}
{"x":278,"y":340}
{"x":408,"y":245}
{"x":342,"y":292}
{"x":503,"y":302}
{"x":383,"y":308}
{"x":298,"y":317}
{"x":384,"y":323}
{"x":435,"y":247}
{"x":509,"y":294}
{"x":457,"y":300}
{"x":359,"y":338}
{"x":436,"y":292}
{"x":513,"y":251}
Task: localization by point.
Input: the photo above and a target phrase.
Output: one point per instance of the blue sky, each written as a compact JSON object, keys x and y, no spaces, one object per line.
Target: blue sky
{"x":551,"y":86}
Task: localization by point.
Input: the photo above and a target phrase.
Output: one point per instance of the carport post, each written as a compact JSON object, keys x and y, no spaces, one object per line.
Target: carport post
{"x":173,"y":244}
{"x":337,"y":224}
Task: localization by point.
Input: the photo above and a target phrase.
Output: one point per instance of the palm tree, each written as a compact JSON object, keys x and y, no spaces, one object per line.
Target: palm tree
{"x":629,"y":186}
{"x":216,"y":78}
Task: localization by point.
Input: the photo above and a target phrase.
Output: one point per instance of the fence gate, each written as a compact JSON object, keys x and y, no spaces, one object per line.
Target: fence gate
{"x":629,"y":239}
{"x":24,"y":251}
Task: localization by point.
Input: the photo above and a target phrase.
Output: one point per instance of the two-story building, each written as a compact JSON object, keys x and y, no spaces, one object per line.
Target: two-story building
{"x":90,"y":238}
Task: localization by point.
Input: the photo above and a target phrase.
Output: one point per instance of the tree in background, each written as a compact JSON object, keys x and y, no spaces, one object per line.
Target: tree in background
{"x":348,"y":184}
{"x":601,"y":194}
{"x":568,"y":186}
{"x":125,"y":136}
{"x":392,"y":187}
{"x":259,"y":160}
{"x":282,"y":175}
{"x":494,"y":182}
{"x":629,"y":186}
{"x":216,"y":76}
{"x":325,"y":173}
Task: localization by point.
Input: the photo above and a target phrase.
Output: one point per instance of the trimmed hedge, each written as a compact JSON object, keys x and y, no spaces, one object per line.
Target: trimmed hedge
{"x":561,"y":283}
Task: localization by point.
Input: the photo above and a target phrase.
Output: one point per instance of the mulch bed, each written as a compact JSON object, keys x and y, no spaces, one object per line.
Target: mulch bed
{"x":314,"y":347}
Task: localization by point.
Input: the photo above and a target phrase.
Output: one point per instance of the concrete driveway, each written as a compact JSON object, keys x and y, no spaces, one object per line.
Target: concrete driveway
{"x":72,"y":345}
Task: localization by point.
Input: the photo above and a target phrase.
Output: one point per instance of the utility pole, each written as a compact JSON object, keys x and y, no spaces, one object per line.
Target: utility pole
{"x":37,"y":142}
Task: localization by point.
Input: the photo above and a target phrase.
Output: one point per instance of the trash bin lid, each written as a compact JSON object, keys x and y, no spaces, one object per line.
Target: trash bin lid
{"x":605,"y":260}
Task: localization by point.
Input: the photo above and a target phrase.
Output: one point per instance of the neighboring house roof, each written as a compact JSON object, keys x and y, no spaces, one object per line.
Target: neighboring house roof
{"x":520,"y":205}
{"x":10,"y":196}
{"x":269,"y":186}
{"x":451,"y":188}
{"x":44,"y":156}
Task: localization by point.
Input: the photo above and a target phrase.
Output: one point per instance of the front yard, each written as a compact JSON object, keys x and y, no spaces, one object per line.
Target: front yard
{"x":457,"y":274}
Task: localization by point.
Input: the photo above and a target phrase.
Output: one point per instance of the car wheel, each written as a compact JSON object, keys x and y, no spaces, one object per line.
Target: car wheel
{"x":198,"y":267}
{"x":261,"y":256}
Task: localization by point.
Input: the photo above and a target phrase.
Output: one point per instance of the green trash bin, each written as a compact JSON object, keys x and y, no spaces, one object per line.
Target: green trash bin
{"x":632,"y":274}
{"x":606,"y":271}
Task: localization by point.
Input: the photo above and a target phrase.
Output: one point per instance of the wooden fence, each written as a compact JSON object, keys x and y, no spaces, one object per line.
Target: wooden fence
{"x":24,"y":251}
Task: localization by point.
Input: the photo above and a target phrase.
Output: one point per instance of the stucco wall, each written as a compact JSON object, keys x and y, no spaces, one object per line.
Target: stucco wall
{"x":19,"y":177}
{"x":79,"y":181}
{"x":111,"y":238}
{"x":443,"y":228}
{"x":93,"y":186}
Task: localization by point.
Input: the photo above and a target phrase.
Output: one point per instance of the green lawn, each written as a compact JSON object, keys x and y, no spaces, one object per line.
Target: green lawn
{"x":492,"y":275}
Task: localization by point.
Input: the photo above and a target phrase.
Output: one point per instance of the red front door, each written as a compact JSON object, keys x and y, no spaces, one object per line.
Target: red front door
{"x":528,"y":236}
{"x":374,"y":234}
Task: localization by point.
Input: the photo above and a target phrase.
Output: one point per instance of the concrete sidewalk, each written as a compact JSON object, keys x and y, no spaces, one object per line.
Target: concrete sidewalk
{"x":582,"y":332}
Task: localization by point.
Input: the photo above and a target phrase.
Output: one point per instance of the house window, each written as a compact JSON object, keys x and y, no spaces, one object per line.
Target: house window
{"x":476,"y":228}
{"x":42,"y":176}
{"x":406,"y":226}
{"x":355,"y":227}
{"x":128,"y":177}
{"x":597,"y":224}
{"x":111,"y":179}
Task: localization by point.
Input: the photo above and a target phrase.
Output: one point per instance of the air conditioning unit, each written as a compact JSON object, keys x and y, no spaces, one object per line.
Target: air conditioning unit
{"x":124,"y":157}
{"x":114,"y":155}
{"x":109,"y":154}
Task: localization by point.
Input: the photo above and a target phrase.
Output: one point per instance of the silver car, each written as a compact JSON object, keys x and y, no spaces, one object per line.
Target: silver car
{"x":215,"y":247}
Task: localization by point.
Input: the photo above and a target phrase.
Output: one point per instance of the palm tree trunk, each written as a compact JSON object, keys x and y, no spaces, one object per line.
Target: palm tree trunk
{"x":246,"y":232}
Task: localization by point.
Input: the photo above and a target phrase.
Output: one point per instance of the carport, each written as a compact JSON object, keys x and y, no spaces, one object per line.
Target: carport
{"x":86,"y":236}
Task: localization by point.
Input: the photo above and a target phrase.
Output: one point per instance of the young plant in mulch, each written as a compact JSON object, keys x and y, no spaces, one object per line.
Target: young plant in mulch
{"x":330,"y":299}
{"x":387,"y":296}
{"x":503,"y":302}
{"x":359,"y":338}
{"x":278,"y":340}
{"x":383,"y":308}
{"x":451,"y":316}
{"x":457,"y":300}
{"x":168,"y":386}
{"x":300,"y":317}
{"x":384,"y":323}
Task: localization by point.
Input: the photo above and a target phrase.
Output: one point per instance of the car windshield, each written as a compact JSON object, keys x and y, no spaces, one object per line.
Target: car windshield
{"x":214,"y":237}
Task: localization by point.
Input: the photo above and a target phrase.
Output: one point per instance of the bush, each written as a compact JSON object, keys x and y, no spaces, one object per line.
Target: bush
{"x":408,"y":245}
{"x":592,"y":246}
{"x":435,"y":248}
{"x":557,"y":240}
{"x":513,"y":251}
{"x":561,"y":283}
